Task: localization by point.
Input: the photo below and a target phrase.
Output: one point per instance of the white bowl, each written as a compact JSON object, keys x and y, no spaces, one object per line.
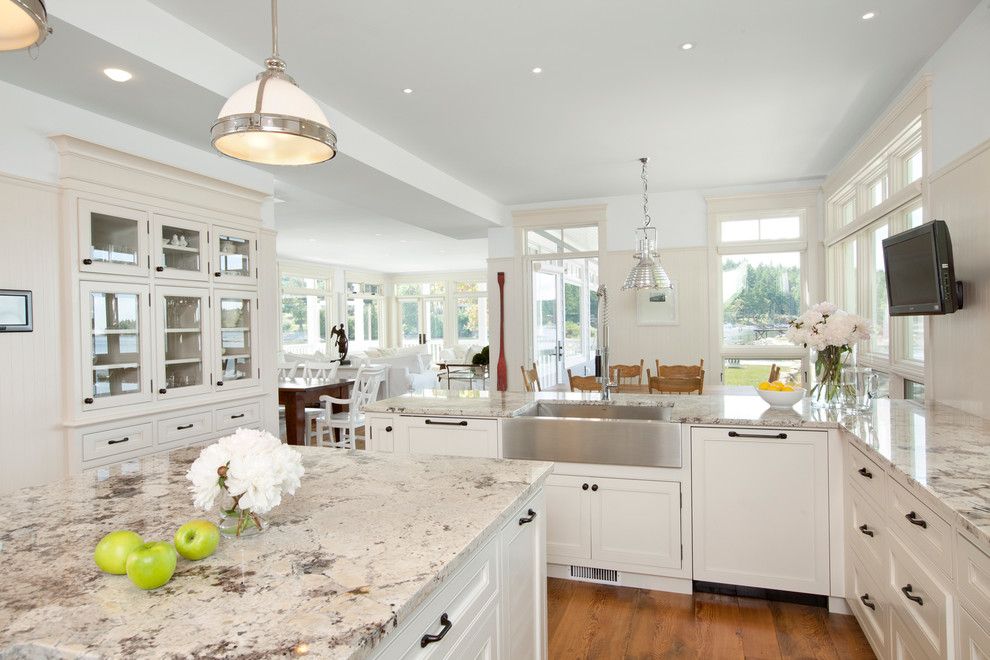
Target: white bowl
{"x":781,"y":399}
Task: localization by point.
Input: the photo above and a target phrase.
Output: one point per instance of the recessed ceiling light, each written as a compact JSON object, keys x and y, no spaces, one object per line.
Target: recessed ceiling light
{"x":687,"y":46}
{"x":537,"y":69}
{"x":117,"y":75}
{"x":868,"y":15}
{"x":407,"y":90}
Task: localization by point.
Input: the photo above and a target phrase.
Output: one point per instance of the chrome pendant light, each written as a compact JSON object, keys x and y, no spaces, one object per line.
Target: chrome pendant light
{"x":648,"y":273}
{"x":23,"y":23}
{"x":273,"y":122}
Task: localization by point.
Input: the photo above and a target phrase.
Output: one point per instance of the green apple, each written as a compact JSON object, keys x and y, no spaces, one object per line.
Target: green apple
{"x":112,"y":550}
{"x":197,"y":539}
{"x":150,"y":565}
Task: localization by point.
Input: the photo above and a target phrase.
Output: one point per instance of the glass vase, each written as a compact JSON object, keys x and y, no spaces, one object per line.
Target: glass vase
{"x":240,"y":523}
{"x":829,"y":390}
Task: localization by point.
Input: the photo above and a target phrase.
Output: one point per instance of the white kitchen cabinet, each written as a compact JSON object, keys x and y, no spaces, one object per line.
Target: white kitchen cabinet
{"x":235,"y":323}
{"x":634,"y":521}
{"x":113,"y":239}
{"x":181,"y":248}
{"x":381,"y":433}
{"x":183,"y":342}
{"x":115,"y":337}
{"x":760,"y":508}
{"x":234,"y":255}
{"x":568,"y":518}
{"x":974,"y":641}
{"x":524,"y":590}
{"x":446,"y":436}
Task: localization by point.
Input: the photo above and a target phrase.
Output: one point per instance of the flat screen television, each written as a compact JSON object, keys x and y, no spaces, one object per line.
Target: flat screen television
{"x":921,"y":278}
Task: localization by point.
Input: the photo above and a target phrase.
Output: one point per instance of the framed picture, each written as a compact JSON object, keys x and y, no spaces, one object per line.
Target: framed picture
{"x":15,"y":311}
{"x":657,"y":307}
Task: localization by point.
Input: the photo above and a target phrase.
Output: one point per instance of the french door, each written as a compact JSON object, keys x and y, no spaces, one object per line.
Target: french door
{"x":421,"y":317}
{"x":564,"y":318}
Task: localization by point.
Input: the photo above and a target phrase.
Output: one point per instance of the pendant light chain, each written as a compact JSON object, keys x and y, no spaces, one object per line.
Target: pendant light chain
{"x":646,"y":195}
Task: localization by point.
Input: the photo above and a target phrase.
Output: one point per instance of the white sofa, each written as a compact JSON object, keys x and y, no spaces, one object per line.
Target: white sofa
{"x":410,"y":367}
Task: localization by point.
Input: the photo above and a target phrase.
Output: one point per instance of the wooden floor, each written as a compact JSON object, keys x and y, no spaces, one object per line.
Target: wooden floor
{"x":598,"y":621}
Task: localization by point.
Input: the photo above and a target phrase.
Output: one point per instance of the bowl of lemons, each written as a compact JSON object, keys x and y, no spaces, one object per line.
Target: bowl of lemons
{"x":779,"y":394}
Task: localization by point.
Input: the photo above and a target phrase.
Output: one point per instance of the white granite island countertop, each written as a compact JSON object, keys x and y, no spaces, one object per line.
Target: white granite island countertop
{"x":366,"y":539}
{"x":943,"y":452}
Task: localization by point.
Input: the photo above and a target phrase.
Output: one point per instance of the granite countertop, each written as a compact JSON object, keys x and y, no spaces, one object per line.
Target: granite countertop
{"x":366,"y":539}
{"x":943,"y":452}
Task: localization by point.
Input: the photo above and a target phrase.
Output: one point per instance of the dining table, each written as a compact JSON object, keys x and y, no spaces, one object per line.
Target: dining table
{"x":296,"y":394}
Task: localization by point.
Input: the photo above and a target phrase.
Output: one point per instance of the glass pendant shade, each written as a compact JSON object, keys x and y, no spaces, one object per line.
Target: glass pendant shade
{"x":23,"y":23}
{"x":648,"y":273}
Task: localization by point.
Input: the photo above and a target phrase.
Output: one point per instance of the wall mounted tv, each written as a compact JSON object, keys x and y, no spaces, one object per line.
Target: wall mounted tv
{"x":921,"y":278}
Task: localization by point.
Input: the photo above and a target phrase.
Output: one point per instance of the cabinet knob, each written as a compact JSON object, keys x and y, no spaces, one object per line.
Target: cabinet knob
{"x":160,"y":269}
{"x":162,"y":391}
{"x":388,"y":429}
{"x":88,"y":262}
{"x":584,"y":486}
{"x":595,"y":487}
{"x":216,"y":274}
{"x":88,"y":399}
{"x":219,"y":382}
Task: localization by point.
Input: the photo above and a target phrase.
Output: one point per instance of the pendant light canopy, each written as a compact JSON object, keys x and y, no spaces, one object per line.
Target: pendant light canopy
{"x":648,"y":273}
{"x":273,"y":122}
{"x":23,"y":23}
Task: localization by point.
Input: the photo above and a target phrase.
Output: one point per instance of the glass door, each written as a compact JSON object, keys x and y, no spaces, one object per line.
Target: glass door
{"x":565,"y":318}
{"x":113,"y":239}
{"x":234,"y":255}
{"x":182,"y":341}
{"x":115,"y":345}
{"x":236,"y":333}
{"x":421,"y":316}
{"x":180,"y":248}
{"x":548,"y":346}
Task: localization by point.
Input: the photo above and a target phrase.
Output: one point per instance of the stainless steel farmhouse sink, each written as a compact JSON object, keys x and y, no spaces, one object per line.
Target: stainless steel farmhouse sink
{"x":584,"y":433}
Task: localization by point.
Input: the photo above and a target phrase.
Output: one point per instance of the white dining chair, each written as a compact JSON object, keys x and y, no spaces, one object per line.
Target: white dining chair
{"x":321,"y":370}
{"x":287,"y":369}
{"x":367,"y":384}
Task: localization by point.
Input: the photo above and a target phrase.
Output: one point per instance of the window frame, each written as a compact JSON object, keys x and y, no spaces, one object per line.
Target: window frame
{"x":379,"y":298}
{"x":327,"y":295}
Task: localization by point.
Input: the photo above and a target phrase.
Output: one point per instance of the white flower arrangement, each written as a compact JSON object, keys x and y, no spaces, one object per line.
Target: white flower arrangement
{"x":832,"y":333}
{"x":253,"y":467}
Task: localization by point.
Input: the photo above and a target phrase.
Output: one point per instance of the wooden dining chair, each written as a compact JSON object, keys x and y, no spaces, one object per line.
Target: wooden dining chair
{"x":628,"y":377}
{"x":531,"y":378}
{"x":583,"y":383}
{"x":774,"y":373}
{"x":677,"y":378}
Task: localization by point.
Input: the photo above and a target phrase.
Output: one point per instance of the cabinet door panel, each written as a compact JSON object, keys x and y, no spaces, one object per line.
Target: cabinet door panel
{"x":974,"y":640}
{"x":568,"y":518}
{"x":524,"y":582}
{"x":636,"y":522}
{"x":112,"y":239}
{"x":180,"y":248}
{"x":760,"y":508}
{"x":234,"y":255}
{"x":235,"y":329}
{"x":183,"y":339}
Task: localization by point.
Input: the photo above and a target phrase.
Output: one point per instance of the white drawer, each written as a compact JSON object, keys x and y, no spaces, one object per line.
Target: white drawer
{"x":177,"y":430}
{"x":465,"y":596}
{"x":903,"y":646}
{"x":863,"y":472}
{"x":866,"y":530}
{"x":974,"y":641}
{"x":869,"y":602}
{"x":451,"y":436}
{"x":973,"y":578}
{"x":921,"y":599}
{"x":924,"y":531}
{"x":126,"y":439}
{"x":236,"y":417}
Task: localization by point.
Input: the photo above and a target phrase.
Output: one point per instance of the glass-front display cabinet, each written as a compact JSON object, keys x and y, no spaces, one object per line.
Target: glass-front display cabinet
{"x":183,"y":367}
{"x":115,"y":344}
{"x":112,"y":239}
{"x":235,"y":323}
{"x":180,"y":248}
{"x":234,"y":256}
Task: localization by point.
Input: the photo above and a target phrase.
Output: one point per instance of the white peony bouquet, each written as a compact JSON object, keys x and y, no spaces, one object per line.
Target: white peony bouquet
{"x":254,"y":468}
{"x":832,"y":333}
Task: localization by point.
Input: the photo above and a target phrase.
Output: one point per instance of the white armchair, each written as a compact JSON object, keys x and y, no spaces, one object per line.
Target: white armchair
{"x":366,"y":385}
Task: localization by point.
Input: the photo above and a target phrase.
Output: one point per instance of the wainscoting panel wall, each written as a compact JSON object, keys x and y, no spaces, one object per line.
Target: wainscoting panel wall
{"x":31,"y":439}
{"x":959,"y":346}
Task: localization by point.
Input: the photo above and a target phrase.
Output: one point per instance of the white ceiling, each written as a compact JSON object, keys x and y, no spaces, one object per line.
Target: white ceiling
{"x":774,"y":89}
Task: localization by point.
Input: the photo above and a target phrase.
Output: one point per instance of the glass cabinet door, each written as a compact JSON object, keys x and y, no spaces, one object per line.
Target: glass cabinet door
{"x":183,"y":368}
{"x":180,"y":248}
{"x":115,"y":345}
{"x":112,"y":239}
{"x":236,"y":324}
{"x":234,"y":255}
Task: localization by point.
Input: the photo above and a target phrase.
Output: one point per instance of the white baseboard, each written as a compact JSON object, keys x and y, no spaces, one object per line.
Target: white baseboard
{"x":627,"y":579}
{"x":837,"y":605}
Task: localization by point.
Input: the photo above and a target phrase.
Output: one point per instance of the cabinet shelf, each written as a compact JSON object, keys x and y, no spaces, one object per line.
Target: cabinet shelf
{"x":179,"y":248}
{"x":236,"y":329}
{"x":124,"y":331}
{"x":184,"y":361}
{"x":118,"y":365}
{"x":182,"y":330}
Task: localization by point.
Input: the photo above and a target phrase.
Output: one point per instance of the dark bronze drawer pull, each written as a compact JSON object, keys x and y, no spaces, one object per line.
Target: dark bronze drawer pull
{"x":915,"y":520}
{"x":528,"y":519}
{"x":426,"y":640}
{"x":906,"y":590}
{"x":866,"y":473}
{"x":866,"y":530}
{"x":183,"y":427}
{"x":866,"y":601}
{"x":460,"y":423}
{"x":238,"y":416}
{"x":117,"y":442}
{"x":774,"y":436}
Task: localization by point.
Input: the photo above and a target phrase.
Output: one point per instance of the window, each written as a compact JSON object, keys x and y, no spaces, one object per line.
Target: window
{"x":761,"y":293}
{"x":876,"y":191}
{"x":880,"y":341}
{"x":364,"y":314}
{"x":740,"y":372}
{"x":421,"y":312}
{"x":912,"y":166}
{"x":305,"y":309}
{"x":472,"y":320}
{"x":562,"y":240}
{"x":761,"y":229}
{"x":914,"y":391}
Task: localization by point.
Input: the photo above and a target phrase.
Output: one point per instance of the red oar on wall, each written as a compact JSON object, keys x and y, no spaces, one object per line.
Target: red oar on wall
{"x":502,"y":378}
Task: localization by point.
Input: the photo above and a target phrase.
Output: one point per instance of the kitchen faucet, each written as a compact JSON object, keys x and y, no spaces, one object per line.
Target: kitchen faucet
{"x":601,"y":358}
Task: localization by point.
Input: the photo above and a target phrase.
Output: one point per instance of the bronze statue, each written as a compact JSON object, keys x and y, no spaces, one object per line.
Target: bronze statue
{"x":341,"y":341}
